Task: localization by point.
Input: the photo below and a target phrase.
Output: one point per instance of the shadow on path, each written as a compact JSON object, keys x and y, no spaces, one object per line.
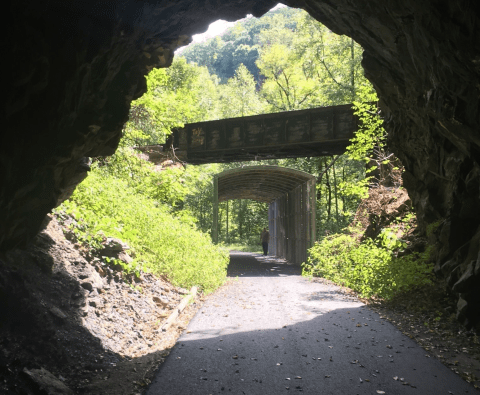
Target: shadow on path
{"x":275,"y":332}
{"x":247,"y":264}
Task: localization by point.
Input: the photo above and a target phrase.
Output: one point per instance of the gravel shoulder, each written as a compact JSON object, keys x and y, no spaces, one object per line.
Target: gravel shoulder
{"x":70,"y":327}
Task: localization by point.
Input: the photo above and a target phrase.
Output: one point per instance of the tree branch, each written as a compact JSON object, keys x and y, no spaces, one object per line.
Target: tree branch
{"x":319,"y":178}
{"x":331,"y":75}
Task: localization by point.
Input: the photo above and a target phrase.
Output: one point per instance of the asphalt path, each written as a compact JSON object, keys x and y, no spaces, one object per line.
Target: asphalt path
{"x":272,"y":331}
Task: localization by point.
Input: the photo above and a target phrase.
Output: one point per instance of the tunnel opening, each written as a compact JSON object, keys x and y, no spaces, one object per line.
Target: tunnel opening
{"x":74,"y":68}
{"x":292,"y":210}
{"x":421,"y":57}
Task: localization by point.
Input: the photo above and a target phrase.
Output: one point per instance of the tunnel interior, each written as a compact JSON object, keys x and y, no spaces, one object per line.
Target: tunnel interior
{"x":291,"y":197}
{"x":72,"y":69}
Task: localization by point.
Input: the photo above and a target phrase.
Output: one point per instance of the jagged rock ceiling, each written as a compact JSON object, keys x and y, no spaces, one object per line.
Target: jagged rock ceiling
{"x":71,"y":69}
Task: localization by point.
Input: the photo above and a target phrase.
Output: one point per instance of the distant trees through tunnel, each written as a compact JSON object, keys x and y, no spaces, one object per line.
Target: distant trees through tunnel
{"x":284,"y":60}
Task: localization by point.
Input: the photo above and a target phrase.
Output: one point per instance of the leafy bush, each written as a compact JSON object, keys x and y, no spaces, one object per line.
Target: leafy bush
{"x":370,"y":267}
{"x":163,"y":244}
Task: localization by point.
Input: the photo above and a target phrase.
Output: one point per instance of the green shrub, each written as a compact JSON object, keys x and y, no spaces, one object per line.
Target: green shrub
{"x":371,"y":267}
{"x":163,"y":244}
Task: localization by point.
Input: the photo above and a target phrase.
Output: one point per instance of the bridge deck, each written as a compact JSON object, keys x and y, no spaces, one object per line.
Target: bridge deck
{"x":293,"y":134}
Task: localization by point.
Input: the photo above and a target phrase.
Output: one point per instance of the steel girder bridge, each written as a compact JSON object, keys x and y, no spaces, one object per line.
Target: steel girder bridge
{"x":290,"y":193}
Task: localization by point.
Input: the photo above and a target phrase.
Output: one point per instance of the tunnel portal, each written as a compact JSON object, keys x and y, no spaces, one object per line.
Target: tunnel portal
{"x":292,"y":200}
{"x":74,"y":67}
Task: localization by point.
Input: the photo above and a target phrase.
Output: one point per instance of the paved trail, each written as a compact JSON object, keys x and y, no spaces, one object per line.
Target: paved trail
{"x":274,"y":332}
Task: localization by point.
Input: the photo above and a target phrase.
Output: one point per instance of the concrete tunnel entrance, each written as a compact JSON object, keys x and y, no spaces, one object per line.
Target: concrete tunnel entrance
{"x":291,"y":197}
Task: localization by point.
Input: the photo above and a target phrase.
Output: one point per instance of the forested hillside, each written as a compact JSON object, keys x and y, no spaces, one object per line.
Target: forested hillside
{"x":283,"y":61}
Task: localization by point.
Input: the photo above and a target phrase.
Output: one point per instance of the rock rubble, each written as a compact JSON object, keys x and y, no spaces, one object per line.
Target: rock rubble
{"x":80,"y":319}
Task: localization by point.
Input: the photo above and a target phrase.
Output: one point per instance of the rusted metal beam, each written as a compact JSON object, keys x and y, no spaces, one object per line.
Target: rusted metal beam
{"x":314,"y":132}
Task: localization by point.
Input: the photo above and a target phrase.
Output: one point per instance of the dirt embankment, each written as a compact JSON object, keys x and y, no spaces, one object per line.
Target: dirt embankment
{"x":69,"y":326}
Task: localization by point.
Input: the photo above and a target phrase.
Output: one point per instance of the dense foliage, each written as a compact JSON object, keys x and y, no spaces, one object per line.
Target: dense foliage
{"x":179,"y":94}
{"x":240,"y":45}
{"x":370,"y":267}
{"x":283,"y":61}
{"x":162,"y":243}
{"x":128,"y":198}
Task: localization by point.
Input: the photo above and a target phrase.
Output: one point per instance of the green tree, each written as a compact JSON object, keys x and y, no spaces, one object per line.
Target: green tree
{"x":199,"y":200}
{"x":177,"y":95}
{"x":239,"y":97}
{"x":286,"y":86}
{"x":239,"y":44}
{"x":333,"y":60}
{"x":369,"y":146}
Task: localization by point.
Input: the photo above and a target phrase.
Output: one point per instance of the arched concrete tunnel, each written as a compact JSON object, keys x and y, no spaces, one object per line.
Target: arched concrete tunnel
{"x":71,"y":70}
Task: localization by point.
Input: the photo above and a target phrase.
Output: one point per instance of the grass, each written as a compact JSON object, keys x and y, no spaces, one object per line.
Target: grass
{"x":244,"y":248}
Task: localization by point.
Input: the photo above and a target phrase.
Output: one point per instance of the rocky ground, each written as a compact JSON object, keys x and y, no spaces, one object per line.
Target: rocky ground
{"x":70,"y":326}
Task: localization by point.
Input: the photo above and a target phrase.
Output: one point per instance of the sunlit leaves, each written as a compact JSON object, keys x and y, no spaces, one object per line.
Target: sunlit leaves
{"x":370,"y":133}
{"x":163,"y":244}
{"x":286,"y":86}
{"x":177,"y":95}
{"x":238,"y":98}
{"x":369,"y":267}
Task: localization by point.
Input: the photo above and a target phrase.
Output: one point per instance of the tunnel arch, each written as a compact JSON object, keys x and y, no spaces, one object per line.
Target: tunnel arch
{"x":72,"y":69}
{"x":291,"y":196}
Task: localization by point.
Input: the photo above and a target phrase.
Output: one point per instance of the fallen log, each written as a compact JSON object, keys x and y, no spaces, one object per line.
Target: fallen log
{"x":173,"y":317}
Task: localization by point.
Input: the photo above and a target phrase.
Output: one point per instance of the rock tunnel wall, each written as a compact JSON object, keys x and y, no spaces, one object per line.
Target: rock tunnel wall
{"x":72,"y":69}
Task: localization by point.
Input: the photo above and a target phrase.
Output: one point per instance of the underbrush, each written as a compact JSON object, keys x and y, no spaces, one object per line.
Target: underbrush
{"x":370,"y":267}
{"x":379,"y":254}
{"x":161,"y":243}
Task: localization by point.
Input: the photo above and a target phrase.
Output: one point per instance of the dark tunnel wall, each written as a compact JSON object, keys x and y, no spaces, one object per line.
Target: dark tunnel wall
{"x":72,"y":68}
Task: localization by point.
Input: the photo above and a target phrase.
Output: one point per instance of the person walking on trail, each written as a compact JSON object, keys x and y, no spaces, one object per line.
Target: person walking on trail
{"x":265,"y":237}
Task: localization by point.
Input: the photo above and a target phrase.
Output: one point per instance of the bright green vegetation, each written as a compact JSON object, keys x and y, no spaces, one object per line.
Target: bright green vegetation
{"x":127,"y":198}
{"x":283,"y":61}
{"x":163,"y":244}
{"x":371,"y":267}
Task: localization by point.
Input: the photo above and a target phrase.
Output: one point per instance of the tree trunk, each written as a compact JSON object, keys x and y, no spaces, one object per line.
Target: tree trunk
{"x":319,"y":190}
{"x":352,"y":68}
{"x":335,"y":191}
{"x":329,"y":201}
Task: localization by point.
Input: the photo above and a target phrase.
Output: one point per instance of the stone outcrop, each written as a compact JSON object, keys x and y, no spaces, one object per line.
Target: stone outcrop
{"x":72,"y":68}
{"x":46,"y":382}
{"x":72,"y":324}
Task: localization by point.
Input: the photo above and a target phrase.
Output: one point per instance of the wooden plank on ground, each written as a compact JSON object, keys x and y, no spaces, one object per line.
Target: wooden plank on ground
{"x":173,"y":317}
